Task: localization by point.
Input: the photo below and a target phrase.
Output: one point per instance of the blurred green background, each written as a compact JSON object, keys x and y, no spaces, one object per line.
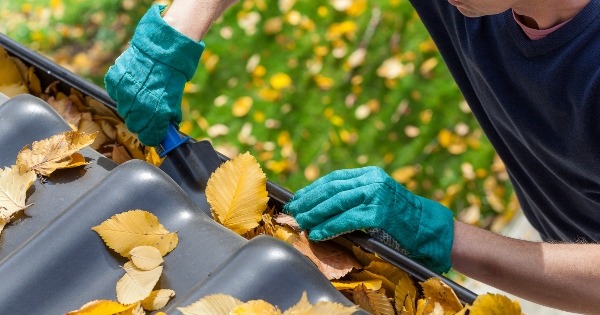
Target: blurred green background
{"x":307,"y":87}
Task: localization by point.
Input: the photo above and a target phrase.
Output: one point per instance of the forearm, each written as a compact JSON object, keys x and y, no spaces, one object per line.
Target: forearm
{"x":564,"y":276}
{"x":194,"y":18}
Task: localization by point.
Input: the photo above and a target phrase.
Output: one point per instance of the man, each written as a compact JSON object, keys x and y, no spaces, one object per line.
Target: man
{"x":530,"y":71}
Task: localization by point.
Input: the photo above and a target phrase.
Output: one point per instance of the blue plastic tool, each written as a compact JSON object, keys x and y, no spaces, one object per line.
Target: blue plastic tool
{"x":173,"y":140}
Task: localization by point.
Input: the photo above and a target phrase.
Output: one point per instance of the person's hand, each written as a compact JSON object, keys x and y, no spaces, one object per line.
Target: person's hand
{"x":147,"y":80}
{"x":367,"y":198}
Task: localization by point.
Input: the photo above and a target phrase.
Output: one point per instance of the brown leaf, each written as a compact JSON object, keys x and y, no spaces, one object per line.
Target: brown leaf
{"x":331,"y":259}
{"x":46,"y":156}
{"x":286,"y":220}
{"x":372,"y":301}
{"x":67,"y":110}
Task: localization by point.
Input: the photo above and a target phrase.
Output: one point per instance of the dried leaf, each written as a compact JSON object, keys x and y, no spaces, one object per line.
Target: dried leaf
{"x":350,"y":285}
{"x":405,"y":296}
{"x":102,"y":307}
{"x":303,"y":307}
{"x":130,"y":141}
{"x":255,"y":307}
{"x":59,"y":151}
{"x":372,"y":301}
{"x":89,"y":127}
{"x":157,"y":299}
{"x":120,"y":154}
{"x":215,"y":304}
{"x":494,"y":304}
{"x":67,"y":110}
{"x":287,"y":220}
{"x":365,"y":275}
{"x":146,"y":257}
{"x":331,"y":259}
{"x":125,"y":231}
{"x":286,"y":234}
{"x":13,"y":192}
{"x":237,"y":193}
{"x":10,"y":74}
{"x":136,"y":284}
{"x":440,"y":292}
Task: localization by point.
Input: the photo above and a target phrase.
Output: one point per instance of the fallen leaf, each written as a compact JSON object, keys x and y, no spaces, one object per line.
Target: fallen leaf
{"x":303,"y":307}
{"x":494,"y":304}
{"x":214,"y":304}
{"x":439,"y":292}
{"x":102,"y":307}
{"x":59,"y":151}
{"x":287,"y":220}
{"x":331,"y":259}
{"x":372,"y":301}
{"x":157,"y":299}
{"x":255,"y":307}
{"x":127,"y":230}
{"x":350,"y":285}
{"x":136,"y":284}
{"x":13,"y":192}
{"x":237,"y":193}
{"x":67,"y":110}
{"x":130,"y":141}
{"x":146,"y":257}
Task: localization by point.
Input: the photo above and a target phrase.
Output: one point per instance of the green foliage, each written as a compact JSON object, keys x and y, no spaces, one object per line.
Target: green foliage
{"x":335,"y":112}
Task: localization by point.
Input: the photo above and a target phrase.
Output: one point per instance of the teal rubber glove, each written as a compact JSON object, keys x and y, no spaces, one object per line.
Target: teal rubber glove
{"x":367,"y":198}
{"x":147,"y":80}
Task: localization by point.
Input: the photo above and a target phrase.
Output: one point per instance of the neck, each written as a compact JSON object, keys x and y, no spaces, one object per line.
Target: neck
{"x":544,"y":14}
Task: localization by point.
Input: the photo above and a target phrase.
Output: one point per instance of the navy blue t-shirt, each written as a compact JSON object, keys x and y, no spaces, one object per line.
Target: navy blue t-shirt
{"x":538,"y":103}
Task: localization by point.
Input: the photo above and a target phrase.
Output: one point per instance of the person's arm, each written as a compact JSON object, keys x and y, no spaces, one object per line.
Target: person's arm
{"x":194,"y":18}
{"x":563,"y":276}
{"x":147,"y":79}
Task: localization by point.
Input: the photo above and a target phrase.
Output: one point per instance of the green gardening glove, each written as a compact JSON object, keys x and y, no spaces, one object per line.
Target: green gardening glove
{"x":147,"y":80}
{"x":367,"y":198}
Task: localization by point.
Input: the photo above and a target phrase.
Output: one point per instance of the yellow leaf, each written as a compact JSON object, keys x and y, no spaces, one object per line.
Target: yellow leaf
{"x":89,"y":127}
{"x":215,"y":304}
{"x":349,"y":285}
{"x":13,"y":192}
{"x":440,"y":292}
{"x":303,"y":307}
{"x":494,"y":304}
{"x":136,"y":284}
{"x":237,"y":193}
{"x":157,"y":299}
{"x":405,"y":296}
{"x":12,"y":90}
{"x":10,"y":74}
{"x":130,"y":141}
{"x":47,"y":155}
{"x":372,"y":301}
{"x":102,"y":307}
{"x":255,"y":307}
{"x":125,"y":231}
{"x":146,"y":257}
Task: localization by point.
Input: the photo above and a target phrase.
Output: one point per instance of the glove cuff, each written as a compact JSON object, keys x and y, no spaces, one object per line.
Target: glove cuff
{"x":433,"y":243}
{"x":154,"y":37}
